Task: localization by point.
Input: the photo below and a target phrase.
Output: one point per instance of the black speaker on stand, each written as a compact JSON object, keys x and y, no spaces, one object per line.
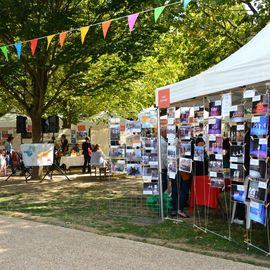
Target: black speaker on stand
{"x":53,"y":124}
{"x":21,"y":125}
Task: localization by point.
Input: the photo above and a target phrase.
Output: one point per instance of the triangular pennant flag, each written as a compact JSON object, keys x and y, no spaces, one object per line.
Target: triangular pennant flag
{"x":62,"y":37}
{"x":105,"y":27}
{"x":33,"y":45}
{"x":158,"y":12}
{"x":84,"y":31}
{"x":186,"y":2}
{"x":132,"y":20}
{"x":4,"y":50}
{"x":18,"y":47}
{"x":49,"y":40}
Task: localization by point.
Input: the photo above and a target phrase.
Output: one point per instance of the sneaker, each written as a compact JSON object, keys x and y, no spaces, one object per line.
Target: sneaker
{"x":183,"y":215}
{"x":238,"y":221}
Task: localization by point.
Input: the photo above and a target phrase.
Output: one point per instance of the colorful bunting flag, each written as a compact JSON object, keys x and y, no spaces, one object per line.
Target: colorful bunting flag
{"x":62,"y":37}
{"x":158,"y":12}
{"x":33,"y":44}
{"x":132,"y":20}
{"x":4,"y":50}
{"x":49,"y":40}
{"x":18,"y":47}
{"x":186,"y":2}
{"x":84,"y":31}
{"x":105,"y":27}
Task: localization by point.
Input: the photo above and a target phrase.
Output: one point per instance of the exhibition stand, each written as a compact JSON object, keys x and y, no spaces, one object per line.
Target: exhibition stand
{"x":223,"y":136}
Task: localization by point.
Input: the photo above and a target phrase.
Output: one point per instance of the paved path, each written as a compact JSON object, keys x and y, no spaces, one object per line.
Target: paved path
{"x":30,"y":245}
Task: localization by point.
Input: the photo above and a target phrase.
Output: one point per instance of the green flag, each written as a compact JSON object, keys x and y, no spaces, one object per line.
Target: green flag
{"x":4,"y":50}
{"x":158,"y":12}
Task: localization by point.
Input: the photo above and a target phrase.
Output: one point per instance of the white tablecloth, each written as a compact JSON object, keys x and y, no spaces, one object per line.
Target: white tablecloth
{"x":69,"y":161}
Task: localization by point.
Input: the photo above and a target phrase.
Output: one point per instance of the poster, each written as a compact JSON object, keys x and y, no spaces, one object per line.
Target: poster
{"x":215,"y":108}
{"x":37,"y":154}
{"x":257,"y":212}
{"x":260,"y":104}
{"x":226,"y":104}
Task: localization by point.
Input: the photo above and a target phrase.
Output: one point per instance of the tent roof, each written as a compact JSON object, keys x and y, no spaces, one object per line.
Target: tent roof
{"x":249,"y":65}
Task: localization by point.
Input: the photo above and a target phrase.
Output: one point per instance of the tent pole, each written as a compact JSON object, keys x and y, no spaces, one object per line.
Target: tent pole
{"x":159,"y":167}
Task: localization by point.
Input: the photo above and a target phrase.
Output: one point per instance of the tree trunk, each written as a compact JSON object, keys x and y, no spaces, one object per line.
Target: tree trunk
{"x":36,"y":138}
{"x":66,"y":123}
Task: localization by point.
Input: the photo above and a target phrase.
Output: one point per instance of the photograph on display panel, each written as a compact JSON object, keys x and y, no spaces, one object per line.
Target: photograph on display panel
{"x":133,"y":127}
{"x":237,"y":154}
{"x":153,"y":160}
{"x":149,"y":143}
{"x":184,"y":117}
{"x":118,"y":165}
{"x":258,"y":147}
{"x":171,"y":115}
{"x":215,"y":144}
{"x":259,"y":125}
{"x":215,"y":163}
{"x":150,"y":189}
{"x":260,"y":104}
{"x":134,"y":169}
{"x":133,"y":155}
{"x":117,"y":152}
{"x":257,"y":190}
{"x":238,"y":193}
{"x":185,"y":149}
{"x":197,"y":129}
{"x":199,"y":153}
{"x":258,"y":168}
{"x":237,"y":114}
{"x":257,"y":212}
{"x":237,"y":172}
{"x":147,"y":173}
{"x":185,"y":165}
{"x":237,"y":133}
{"x":198,"y":114}
{"x":154,"y":174}
{"x":216,"y":179}
{"x":171,"y":152}
{"x":115,"y":132}
{"x":185,"y":132}
{"x":214,"y":126}
{"x":172,"y":167}
{"x":215,"y":108}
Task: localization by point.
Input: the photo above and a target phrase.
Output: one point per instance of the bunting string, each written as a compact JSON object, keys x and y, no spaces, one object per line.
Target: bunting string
{"x":105,"y":25}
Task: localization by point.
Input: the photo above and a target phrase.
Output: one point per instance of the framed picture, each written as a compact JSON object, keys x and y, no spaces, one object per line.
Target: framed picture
{"x":257,"y":212}
{"x":257,"y":190}
{"x":237,"y":154}
{"x":258,"y":147}
{"x":150,"y":189}
{"x":259,"y":125}
{"x":118,"y":165}
{"x":258,"y":168}
{"x":237,"y":172}
{"x":133,"y":155}
{"x":238,"y":193}
{"x":184,"y":117}
{"x":185,"y":133}
{"x":237,"y":114}
{"x":215,"y":144}
{"x":260,"y":104}
{"x":171,"y":115}
{"x":215,"y":108}
{"x":217,"y":179}
{"x":214,"y":126}
{"x":117,"y":152}
{"x":237,"y":133}
{"x":215,"y":162}
{"x":198,"y":114}
{"x":134,"y":169}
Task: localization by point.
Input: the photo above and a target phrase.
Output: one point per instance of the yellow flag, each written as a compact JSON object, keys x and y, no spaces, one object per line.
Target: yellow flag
{"x":49,"y":39}
{"x":84,"y":31}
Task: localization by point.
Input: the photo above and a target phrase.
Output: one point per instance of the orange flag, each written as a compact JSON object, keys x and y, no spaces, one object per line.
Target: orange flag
{"x":33,"y":45}
{"x":84,"y":31}
{"x":105,"y":27}
{"x":62,"y":37}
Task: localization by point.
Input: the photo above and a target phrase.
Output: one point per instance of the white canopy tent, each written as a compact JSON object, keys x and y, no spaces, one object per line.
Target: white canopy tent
{"x":248,"y":66}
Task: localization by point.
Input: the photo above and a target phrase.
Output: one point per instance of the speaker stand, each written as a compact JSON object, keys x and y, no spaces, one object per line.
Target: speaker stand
{"x":50,"y":170}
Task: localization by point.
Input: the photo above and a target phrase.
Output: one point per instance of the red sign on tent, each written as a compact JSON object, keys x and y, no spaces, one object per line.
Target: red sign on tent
{"x":164,"y":98}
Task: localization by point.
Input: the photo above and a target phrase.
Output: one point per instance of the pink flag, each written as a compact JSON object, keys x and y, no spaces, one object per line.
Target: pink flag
{"x":132,"y":20}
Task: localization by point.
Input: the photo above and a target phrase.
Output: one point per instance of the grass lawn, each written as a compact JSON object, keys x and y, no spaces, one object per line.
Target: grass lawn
{"x":117,"y":208}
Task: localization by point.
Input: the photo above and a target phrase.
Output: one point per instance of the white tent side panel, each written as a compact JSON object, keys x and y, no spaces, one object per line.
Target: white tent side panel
{"x":247,"y":66}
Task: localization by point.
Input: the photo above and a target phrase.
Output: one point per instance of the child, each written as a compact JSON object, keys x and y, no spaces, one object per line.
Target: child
{"x":3,"y":162}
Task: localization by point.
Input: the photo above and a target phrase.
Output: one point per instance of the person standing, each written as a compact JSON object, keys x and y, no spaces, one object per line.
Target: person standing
{"x":10,"y":150}
{"x":164,"y":163}
{"x":64,"y":144}
{"x":87,"y":151}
